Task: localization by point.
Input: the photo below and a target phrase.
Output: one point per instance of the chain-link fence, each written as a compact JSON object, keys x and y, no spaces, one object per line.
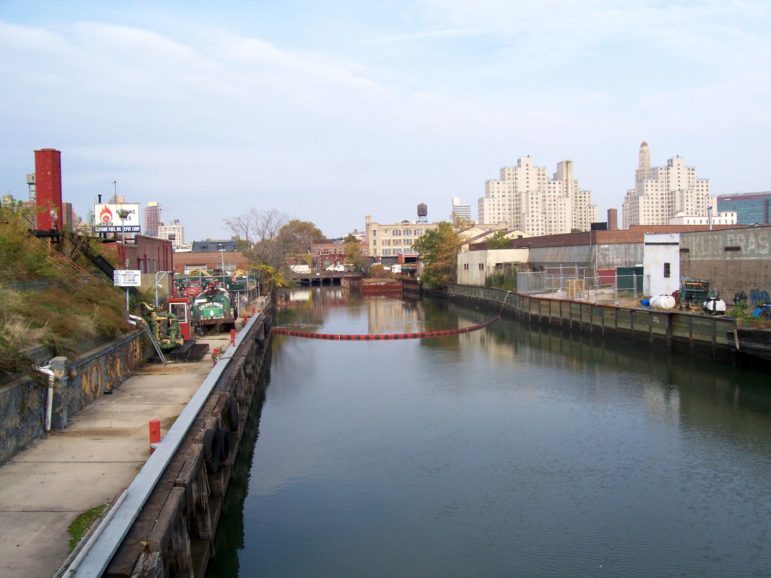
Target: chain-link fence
{"x":582,"y":284}
{"x":503,"y":277}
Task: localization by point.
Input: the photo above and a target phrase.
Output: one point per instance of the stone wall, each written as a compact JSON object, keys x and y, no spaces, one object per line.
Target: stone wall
{"x":102,"y":370}
{"x":175,"y":531}
{"x":23,"y":402}
{"x":22,"y":413}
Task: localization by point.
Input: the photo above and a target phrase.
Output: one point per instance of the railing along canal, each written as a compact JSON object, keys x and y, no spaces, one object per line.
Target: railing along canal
{"x":96,"y":554}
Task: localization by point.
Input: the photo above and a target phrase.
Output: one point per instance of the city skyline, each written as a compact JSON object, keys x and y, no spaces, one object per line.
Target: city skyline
{"x":329,"y":113}
{"x":526,"y":199}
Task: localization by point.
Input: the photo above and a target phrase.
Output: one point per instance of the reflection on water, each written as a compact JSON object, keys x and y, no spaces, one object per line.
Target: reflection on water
{"x":503,"y":452}
{"x":230,"y":534}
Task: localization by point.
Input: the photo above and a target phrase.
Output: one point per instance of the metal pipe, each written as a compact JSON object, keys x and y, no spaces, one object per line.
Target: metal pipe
{"x":46,"y":369}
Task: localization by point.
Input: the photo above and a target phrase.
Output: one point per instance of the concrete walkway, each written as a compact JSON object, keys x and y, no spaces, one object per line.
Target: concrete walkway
{"x":43,"y":488}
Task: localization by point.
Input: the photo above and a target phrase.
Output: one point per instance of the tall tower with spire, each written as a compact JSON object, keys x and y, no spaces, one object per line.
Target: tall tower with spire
{"x":643,"y":164}
{"x":663,"y":194}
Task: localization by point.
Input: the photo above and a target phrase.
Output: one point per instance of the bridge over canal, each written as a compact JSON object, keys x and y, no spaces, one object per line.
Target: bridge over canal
{"x":324,"y":278}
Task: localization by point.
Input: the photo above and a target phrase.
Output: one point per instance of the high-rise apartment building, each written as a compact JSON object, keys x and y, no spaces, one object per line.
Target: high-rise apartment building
{"x":524,"y":198}
{"x":174,"y":232}
{"x":152,"y":218}
{"x":667,"y":195}
{"x":459,"y":211}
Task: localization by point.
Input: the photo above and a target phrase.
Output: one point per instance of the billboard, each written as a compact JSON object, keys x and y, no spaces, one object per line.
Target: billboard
{"x":121,"y":218}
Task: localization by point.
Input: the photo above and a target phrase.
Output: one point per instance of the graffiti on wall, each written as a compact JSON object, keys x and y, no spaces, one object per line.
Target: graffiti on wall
{"x":107,"y":371}
{"x":752,"y":243}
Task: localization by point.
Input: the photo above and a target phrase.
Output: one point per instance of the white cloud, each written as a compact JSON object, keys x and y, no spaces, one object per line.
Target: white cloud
{"x":567,"y":30}
{"x":425,"y":35}
{"x":212,"y":123}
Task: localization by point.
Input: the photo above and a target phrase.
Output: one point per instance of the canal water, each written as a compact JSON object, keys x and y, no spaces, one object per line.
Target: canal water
{"x":509,"y":451}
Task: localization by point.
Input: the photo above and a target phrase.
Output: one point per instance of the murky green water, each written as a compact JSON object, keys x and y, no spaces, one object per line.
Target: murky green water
{"x":503,"y":452}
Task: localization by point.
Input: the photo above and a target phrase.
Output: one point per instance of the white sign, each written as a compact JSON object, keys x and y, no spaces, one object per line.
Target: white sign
{"x":123,"y":218}
{"x":127,"y":278}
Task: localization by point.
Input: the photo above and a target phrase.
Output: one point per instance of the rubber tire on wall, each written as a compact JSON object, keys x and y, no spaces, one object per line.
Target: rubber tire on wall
{"x":226,"y":443}
{"x":234,"y":414}
{"x":212,"y":450}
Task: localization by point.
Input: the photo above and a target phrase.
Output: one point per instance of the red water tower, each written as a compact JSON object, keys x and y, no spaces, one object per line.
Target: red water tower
{"x":48,"y":189}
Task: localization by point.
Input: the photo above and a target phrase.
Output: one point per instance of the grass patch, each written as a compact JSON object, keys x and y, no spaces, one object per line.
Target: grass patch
{"x":45,"y":303}
{"x":80,"y":525}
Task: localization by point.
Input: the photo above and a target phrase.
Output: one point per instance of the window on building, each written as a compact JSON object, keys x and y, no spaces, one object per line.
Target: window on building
{"x":481,"y":266}
{"x":667,"y":271}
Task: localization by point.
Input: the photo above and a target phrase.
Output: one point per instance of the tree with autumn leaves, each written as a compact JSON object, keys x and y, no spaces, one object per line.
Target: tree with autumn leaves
{"x":438,"y":250}
{"x":269,"y":238}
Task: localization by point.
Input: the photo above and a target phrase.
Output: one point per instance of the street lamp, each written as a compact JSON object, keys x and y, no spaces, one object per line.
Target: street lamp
{"x":123,"y":214}
{"x":222,"y":258}
{"x":157,"y":281}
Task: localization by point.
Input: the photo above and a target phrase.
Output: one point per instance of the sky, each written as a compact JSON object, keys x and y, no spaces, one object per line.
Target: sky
{"x":330,"y":111}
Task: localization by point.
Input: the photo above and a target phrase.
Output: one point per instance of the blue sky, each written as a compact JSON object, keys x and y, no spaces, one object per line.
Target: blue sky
{"x":331,"y":111}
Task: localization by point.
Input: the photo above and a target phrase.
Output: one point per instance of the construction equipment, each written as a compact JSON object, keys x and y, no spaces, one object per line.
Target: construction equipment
{"x":163,"y":326}
{"x":213,"y":307}
{"x":693,"y":292}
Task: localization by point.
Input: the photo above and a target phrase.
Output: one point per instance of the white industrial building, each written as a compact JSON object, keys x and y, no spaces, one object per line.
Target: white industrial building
{"x":474,"y":267}
{"x":661,"y":263}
